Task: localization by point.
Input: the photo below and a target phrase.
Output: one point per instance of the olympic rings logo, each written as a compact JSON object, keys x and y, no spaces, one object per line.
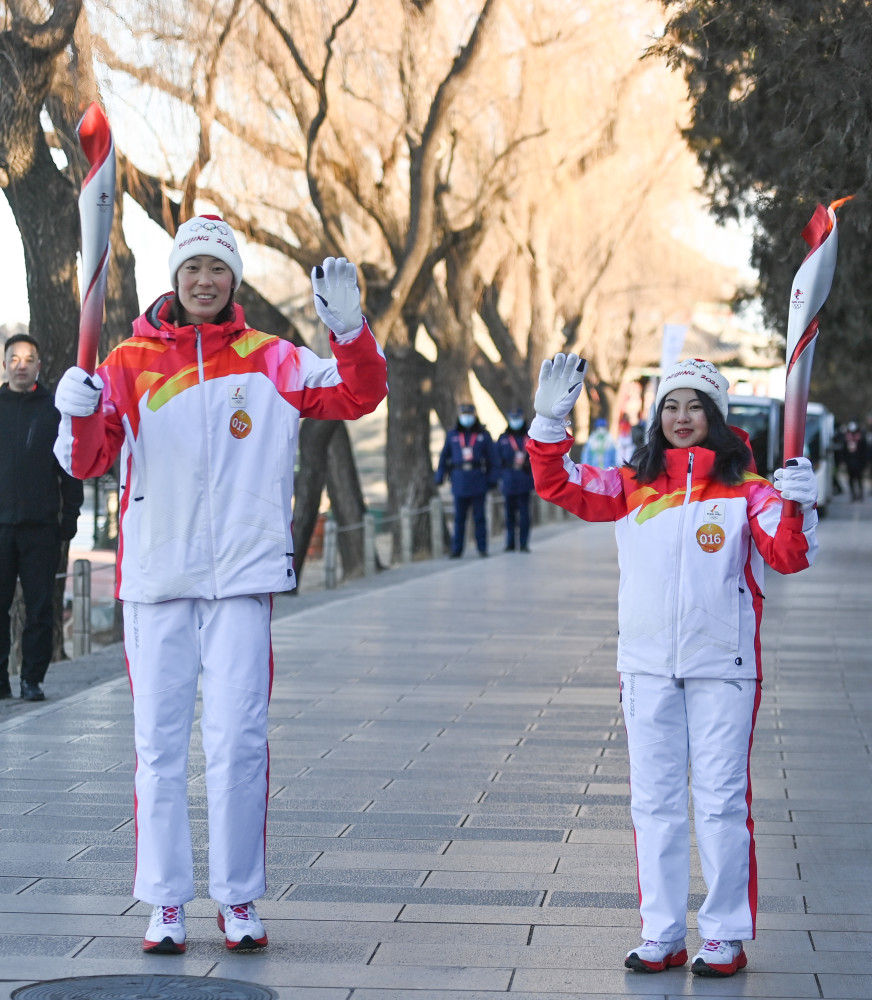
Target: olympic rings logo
{"x":210,"y":227}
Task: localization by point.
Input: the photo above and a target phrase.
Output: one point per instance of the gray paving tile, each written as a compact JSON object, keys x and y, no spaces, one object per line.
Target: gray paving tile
{"x":842,"y":941}
{"x":672,"y":982}
{"x":42,"y":968}
{"x":508,"y":834}
{"x":311,"y":993}
{"x":354,"y":977}
{"x":423,"y":731}
{"x":57,"y":946}
{"x":387,"y":894}
{"x":844,"y":987}
{"x":526,"y":915}
{"x":426,"y":994}
{"x":438,"y":862}
{"x":12,"y":884}
{"x":38,"y":853}
{"x":210,"y":947}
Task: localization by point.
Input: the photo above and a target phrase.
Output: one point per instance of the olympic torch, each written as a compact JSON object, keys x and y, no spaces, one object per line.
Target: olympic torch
{"x":809,"y":291}
{"x":96,"y":208}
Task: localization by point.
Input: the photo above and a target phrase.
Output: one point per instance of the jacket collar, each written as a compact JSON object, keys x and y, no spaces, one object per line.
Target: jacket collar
{"x":156,"y":323}
{"x":36,"y":392}
{"x":678,"y":462}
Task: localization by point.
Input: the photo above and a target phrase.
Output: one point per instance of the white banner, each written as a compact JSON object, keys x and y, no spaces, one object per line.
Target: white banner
{"x":673,"y":341}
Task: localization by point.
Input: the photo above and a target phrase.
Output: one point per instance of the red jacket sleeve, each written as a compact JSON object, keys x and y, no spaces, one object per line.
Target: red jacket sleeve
{"x":787,"y":544}
{"x":344,"y":389}
{"x":590,"y":493}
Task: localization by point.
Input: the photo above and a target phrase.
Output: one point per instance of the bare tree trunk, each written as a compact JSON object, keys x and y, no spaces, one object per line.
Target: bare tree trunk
{"x":315,"y":437}
{"x":346,"y":501}
{"x":410,"y":479}
{"x":42,"y":199}
{"x":44,"y":206}
{"x":327,"y":460}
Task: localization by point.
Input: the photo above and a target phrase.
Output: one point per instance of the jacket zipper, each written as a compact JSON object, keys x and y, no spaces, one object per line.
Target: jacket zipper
{"x":206,"y":491}
{"x":677,"y":587}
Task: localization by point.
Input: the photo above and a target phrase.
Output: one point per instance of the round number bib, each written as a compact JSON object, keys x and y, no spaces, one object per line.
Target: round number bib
{"x":710,"y":537}
{"x":240,"y":424}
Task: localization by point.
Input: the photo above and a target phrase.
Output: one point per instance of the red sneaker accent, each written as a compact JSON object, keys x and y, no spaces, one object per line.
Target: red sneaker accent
{"x":242,"y":917}
{"x":705,"y":962}
{"x":642,"y":959}
{"x":166,"y":931}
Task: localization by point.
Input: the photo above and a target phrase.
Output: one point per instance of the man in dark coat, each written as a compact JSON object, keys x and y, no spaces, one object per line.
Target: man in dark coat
{"x":39,"y":507}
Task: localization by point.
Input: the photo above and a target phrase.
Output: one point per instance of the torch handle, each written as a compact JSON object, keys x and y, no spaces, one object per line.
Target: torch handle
{"x":811,"y":286}
{"x":790,"y":508}
{"x":96,"y":211}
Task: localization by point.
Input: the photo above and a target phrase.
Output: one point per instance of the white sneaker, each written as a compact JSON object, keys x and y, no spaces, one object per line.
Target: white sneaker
{"x":242,"y":927}
{"x":655,"y":956}
{"x":166,"y":931}
{"x":719,"y":958}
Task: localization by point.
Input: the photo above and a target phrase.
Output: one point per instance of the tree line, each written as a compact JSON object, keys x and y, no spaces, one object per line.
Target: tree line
{"x":504,"y":172}
{"x":782,"y":120}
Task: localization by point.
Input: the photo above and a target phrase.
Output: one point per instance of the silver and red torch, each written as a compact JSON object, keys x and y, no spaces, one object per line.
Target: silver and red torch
{"x":810,"y":289}
{"x":96,"y":208}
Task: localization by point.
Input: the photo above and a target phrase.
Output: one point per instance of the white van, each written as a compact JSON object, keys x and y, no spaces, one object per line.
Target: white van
{"x":762,"y":418}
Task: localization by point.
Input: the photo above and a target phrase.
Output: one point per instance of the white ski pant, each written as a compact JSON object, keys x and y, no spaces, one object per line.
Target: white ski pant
{"x":709,"y":725}
{"x":167,"y":645}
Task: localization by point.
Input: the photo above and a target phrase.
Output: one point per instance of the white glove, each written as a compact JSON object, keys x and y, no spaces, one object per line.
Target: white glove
{"x":78,"y":393}
{"x":560,"y":383}
{"x":337,"y":297}
{"x":797,"y":482}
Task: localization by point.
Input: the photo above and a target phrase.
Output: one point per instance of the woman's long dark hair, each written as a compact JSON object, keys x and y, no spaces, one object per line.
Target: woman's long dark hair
{"x":732,"y":455}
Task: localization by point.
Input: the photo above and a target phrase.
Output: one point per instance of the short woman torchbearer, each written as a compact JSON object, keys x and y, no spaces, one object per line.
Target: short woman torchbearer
{"x":694,"y":527}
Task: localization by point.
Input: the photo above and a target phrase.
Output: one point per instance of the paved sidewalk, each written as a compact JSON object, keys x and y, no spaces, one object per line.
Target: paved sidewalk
{"x":449,"y":815}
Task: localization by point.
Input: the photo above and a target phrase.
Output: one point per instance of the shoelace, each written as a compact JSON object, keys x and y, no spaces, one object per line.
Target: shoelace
{"x":169,"y":914}
{"x":713,"y":945}
{"x":240,"y":911}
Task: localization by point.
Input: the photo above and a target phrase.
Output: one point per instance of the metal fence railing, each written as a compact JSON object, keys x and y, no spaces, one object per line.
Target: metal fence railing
{"x":390,"y":540}
{"x":387,"y":540}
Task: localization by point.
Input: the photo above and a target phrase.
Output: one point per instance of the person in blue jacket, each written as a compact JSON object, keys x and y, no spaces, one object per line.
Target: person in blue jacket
{"x":600,"y":448}
{"x":516,"y":481}
{"x":469,"y":458}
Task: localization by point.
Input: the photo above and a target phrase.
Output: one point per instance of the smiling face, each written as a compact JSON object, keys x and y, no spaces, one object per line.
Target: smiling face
{"x":204,"y":287}
{"x":683,"y":420}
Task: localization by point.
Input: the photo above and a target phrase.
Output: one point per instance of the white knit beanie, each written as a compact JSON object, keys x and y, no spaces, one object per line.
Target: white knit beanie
{"x":206,"y":234}
{"x":694,"y":373}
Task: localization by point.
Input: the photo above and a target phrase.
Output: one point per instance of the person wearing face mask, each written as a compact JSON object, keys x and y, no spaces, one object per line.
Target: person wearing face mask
{"x":469,"y":458}
{"x":205,"y":413}
{"x":694,"y":526}
{"x":516,"y":481}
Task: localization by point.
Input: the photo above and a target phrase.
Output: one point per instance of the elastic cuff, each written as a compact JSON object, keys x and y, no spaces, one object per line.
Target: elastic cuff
{"x":548,"y":430}
{"x":348,"y":338}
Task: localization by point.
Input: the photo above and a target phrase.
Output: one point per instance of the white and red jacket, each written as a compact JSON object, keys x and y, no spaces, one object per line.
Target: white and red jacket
{"x":691,"y":552}
{"x":206,"y":421}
